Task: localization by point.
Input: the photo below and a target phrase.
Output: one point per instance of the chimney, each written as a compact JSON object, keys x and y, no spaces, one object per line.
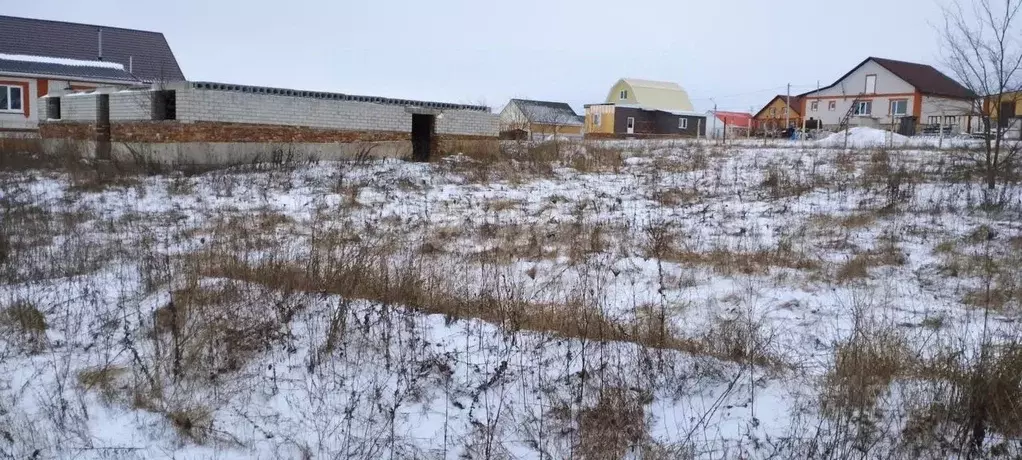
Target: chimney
{"x":100,"y":33}
{"x":131,"y":64}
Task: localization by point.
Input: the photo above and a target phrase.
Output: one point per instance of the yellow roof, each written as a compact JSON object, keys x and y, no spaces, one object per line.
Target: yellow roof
{"x":661,"y":95}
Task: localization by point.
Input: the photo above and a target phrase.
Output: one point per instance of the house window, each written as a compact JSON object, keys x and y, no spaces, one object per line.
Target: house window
{"x":814,"y":106}
{"x":773,"y":111}
{"x":596,"y":119}
{"x":683,"y":123}
{"x":832,"y":106}
{"x":899,"y":107}
{"x":864,"y":107}
{"x":624,"y":94}
{"x":10,"y":98}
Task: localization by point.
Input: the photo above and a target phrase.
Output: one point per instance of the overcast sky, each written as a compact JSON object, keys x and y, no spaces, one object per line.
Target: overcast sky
{"x":738,"y":52}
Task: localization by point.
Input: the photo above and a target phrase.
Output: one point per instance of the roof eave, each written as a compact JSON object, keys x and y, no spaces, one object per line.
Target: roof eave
{"x":71,"y":78}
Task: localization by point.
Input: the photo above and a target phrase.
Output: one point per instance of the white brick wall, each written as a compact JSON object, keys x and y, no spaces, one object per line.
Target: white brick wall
{"x":194,"y":105}
{"x":78,"y":107}
{"x":130,"y":105}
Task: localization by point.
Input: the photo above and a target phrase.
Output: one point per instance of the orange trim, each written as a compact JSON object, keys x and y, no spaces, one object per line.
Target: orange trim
{"x":42,"y":87}
{"x":24,"y":95}
{"x":917,"y":105}
{"x":863,"y":97}
{"x":75,"y":87}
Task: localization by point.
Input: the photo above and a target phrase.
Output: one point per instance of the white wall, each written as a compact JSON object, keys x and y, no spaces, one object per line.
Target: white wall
{"x":851,"y":86}
{"x":942,"y":107}
{"x":78,"y":107}
{"x":196,"y":105}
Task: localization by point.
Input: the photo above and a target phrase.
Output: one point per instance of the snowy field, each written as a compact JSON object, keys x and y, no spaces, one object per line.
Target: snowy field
{"x":623,"y":300}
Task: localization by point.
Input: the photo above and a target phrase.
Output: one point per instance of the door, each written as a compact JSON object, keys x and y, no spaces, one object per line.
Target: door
{"x":422,"y":136}
{"x":1006,"y":112}
{"x":871,"y":84}
{"x":630,"y":126}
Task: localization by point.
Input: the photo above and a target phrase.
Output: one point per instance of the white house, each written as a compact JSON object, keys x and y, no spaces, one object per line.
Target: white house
{"x":885,"y":93}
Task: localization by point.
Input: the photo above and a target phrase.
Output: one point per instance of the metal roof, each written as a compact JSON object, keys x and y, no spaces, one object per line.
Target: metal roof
{"x":151,"y":57}
{"x":77,"y":72}
{"x":546,"y":112}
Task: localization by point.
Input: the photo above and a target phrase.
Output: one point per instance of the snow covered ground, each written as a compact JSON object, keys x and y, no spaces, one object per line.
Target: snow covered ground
{"x":672,"y":300}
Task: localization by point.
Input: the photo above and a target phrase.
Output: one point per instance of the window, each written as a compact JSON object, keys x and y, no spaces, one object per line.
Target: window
{"x":773,"y":111}
{"x":871,"y":84}
{"x":863,"y":107}
{"x":814,"y":106}
{"x":899,"y":107}
{"x":596,"y":119}
{"x":623,"y":95}
{"x":683,"y":123}
{"x":10,"y":98}
{"x":832,"y":106}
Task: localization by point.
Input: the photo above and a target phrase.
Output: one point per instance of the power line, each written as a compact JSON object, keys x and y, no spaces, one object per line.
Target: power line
{"x":765,"y":90}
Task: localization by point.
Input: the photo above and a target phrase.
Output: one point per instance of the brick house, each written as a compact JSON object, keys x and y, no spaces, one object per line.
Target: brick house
{"x":68,"y":56}
{"x":778,"y":114}
{"x":890,"y":94}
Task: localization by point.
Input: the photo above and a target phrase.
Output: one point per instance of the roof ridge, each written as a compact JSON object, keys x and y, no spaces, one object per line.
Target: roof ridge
{"x":82,"y":24}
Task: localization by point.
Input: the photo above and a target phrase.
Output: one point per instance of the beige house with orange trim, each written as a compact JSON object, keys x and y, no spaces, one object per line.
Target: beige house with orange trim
{"x":39,"y":56}
{"x":897,"y":95}
{"x":26,"y":79}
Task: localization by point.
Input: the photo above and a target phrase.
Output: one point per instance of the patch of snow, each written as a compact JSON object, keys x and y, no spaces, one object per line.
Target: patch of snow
{"x":862,"y":136}
{"x":61,"y":61}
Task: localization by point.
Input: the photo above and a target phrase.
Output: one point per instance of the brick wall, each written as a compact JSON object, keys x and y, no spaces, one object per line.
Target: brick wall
{"x":195,"y":105}
{"x":130,"y":105}
{"x":78,"y":108}
{"x":67,"y":130}
{"x":204,"y":131}
{"x":238,"y":107}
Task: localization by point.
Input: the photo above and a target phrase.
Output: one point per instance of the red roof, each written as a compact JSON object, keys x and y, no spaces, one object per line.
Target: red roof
{"x":735,"y":118}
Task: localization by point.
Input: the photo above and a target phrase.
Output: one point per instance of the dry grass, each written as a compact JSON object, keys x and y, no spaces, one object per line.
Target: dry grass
{"x":780,"y":184}
{"x":888,"y":254}
{"x":727,"y":262}
{"x":614,"y":425}
{"x":864,"y":367}
{"x":24,"y":323}
{"x":102,"y":379}
{"x":673,"y":197}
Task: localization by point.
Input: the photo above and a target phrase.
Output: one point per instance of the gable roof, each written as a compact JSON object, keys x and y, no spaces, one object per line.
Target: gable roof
{"x":150,"y":55}
{"x":925,"y":78}
{"x":82,"y":70}
{"x":546,"y":112}
{"x":662,"y":95}
{"x":796,"y":104}
{"x":732,"y":118}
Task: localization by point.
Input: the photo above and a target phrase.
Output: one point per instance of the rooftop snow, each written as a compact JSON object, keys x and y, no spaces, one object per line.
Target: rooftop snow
{"x":61,"y":61}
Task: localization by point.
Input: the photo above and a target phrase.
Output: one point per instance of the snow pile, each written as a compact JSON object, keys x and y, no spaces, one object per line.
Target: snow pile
{"x":61,"y":61}
{"x":863,"y":137}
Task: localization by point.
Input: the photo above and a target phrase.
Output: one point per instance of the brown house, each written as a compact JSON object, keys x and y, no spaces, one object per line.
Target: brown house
{"x":626,"y":121}
{"x":773,"y":116}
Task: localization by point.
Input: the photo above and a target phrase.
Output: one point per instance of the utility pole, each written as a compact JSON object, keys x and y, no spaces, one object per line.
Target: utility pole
{"x":787,"y":110}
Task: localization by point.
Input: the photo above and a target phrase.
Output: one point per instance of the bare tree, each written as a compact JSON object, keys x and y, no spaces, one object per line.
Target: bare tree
{"x":982,"y":47}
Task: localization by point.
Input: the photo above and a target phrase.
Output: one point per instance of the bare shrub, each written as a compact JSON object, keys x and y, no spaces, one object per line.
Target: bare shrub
{"x":615,"y":425}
